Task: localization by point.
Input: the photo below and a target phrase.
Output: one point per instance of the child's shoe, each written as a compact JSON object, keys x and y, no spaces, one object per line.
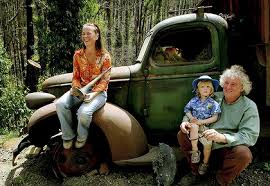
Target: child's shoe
{"x":202,"y":168}
{"x":195,"y":156}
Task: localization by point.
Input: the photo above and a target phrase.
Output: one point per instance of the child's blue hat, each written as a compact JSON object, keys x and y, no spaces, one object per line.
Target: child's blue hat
{"x":207,"y":78}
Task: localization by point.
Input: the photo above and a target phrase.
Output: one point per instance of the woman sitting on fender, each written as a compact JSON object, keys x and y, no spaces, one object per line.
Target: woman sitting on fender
{"x":88,"y":63}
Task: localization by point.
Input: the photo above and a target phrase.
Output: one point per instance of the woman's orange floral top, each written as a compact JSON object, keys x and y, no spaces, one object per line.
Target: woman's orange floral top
{"x":84,"y":72}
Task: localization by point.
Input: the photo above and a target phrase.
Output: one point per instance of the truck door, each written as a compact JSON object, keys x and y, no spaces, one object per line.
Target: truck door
{"x":176,"y":58}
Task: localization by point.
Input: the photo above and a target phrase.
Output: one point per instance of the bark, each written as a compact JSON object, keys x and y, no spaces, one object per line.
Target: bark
{"x":109,"y":25}
{"x":31,"y":72}
{"x":42,"y":45}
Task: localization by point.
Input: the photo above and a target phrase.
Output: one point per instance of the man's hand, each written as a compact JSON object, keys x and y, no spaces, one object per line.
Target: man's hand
{"x":185,"y":127}
{"x":213,"y":135}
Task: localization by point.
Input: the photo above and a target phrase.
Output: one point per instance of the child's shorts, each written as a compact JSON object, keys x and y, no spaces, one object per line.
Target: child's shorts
{"x":206,"y":143}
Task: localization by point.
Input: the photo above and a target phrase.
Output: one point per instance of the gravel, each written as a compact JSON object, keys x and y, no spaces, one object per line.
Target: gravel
{"x":37,"y":171}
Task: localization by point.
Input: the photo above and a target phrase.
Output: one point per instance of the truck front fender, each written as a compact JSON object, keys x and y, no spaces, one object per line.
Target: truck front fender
{"x":124,"y":134}
{"x":43,"y":124}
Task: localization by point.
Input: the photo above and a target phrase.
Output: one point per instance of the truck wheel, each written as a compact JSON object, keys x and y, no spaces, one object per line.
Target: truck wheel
{"x":75,"y":162}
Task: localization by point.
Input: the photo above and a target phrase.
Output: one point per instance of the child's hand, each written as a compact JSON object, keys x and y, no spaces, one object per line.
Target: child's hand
{"x":194,"y":120}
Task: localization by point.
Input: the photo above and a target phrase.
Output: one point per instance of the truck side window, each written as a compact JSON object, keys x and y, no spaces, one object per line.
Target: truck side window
{"x":183,"y":47}
{"x":168,"y":55}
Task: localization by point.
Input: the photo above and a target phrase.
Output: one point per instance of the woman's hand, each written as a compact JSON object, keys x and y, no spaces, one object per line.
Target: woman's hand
{"x":185,"y":127}
{"x":213,"y":135}
{"x":75,"y":91}
{"x":90,"y":96}
{"x":72,"y":92}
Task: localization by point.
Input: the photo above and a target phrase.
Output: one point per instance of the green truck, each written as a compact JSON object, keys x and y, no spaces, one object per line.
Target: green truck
{"x":145,"y":100}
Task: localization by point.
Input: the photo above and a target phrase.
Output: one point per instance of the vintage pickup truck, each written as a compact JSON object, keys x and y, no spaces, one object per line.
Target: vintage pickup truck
{"x":145,"y":100}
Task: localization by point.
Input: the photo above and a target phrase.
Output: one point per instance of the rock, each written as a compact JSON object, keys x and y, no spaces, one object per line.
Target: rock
{"x":164,"y":165}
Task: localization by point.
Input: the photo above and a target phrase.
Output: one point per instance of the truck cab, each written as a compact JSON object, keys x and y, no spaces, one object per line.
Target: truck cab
{"x":174,"y":53}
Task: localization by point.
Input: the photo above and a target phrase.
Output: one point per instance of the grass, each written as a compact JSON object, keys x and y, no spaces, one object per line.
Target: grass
{"x":6,"y":135}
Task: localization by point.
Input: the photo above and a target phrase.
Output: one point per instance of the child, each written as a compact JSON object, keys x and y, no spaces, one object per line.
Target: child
{"x":202,"y":110}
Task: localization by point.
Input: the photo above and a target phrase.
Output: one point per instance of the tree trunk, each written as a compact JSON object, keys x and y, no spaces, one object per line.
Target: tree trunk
{"x":42,"y":45}
{"x":109,"y":25}
{"x":31,"y":72}
{"x":126,"y":35}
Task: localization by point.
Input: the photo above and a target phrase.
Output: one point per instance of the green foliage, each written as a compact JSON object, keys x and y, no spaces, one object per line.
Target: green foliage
{"x":5,"y":65}
{"x":57,"y":26}
{"x":266,"y":166}
{"x":13,"y":111}
{"x":7,"y":135}
{"x":89,"y":11}
{"x":41,"y":79}
{"x":63,"y":35}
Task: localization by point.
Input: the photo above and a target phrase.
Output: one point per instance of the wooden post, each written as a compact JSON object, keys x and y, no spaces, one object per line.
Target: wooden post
{"x":265,"y":33}
{"x":267,"y":51}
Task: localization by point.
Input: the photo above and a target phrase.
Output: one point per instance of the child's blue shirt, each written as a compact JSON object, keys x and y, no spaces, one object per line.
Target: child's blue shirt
{"x":202,"y":110}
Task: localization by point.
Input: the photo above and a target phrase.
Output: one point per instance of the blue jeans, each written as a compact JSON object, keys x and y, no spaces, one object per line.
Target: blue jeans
{"x":84,"y":114}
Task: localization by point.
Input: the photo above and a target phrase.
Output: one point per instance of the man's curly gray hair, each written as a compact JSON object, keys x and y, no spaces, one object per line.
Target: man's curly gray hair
{"x":237,"y":71}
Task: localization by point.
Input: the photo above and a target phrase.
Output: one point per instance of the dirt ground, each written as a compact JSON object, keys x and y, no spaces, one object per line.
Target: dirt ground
{"x":38,"y":171}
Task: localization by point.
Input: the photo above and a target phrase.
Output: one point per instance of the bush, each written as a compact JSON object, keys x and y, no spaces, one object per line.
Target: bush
{"x":14,"y":113}
{"x":13,"y":110}
{"x":266,"y":166}
{"x":5,"y":65}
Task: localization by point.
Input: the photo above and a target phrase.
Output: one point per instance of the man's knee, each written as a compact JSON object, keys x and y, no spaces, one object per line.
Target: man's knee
{"x":243,"y":154}
{"x":184,"y":141}
{"x":180,"y":136}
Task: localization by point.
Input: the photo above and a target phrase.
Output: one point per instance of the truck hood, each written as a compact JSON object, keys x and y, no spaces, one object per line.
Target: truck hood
{"x":117,"y":73}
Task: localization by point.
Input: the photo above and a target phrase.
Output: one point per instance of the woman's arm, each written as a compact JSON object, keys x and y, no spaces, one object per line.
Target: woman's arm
{"x":76,"y":80}
{"x":104,"y":81}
